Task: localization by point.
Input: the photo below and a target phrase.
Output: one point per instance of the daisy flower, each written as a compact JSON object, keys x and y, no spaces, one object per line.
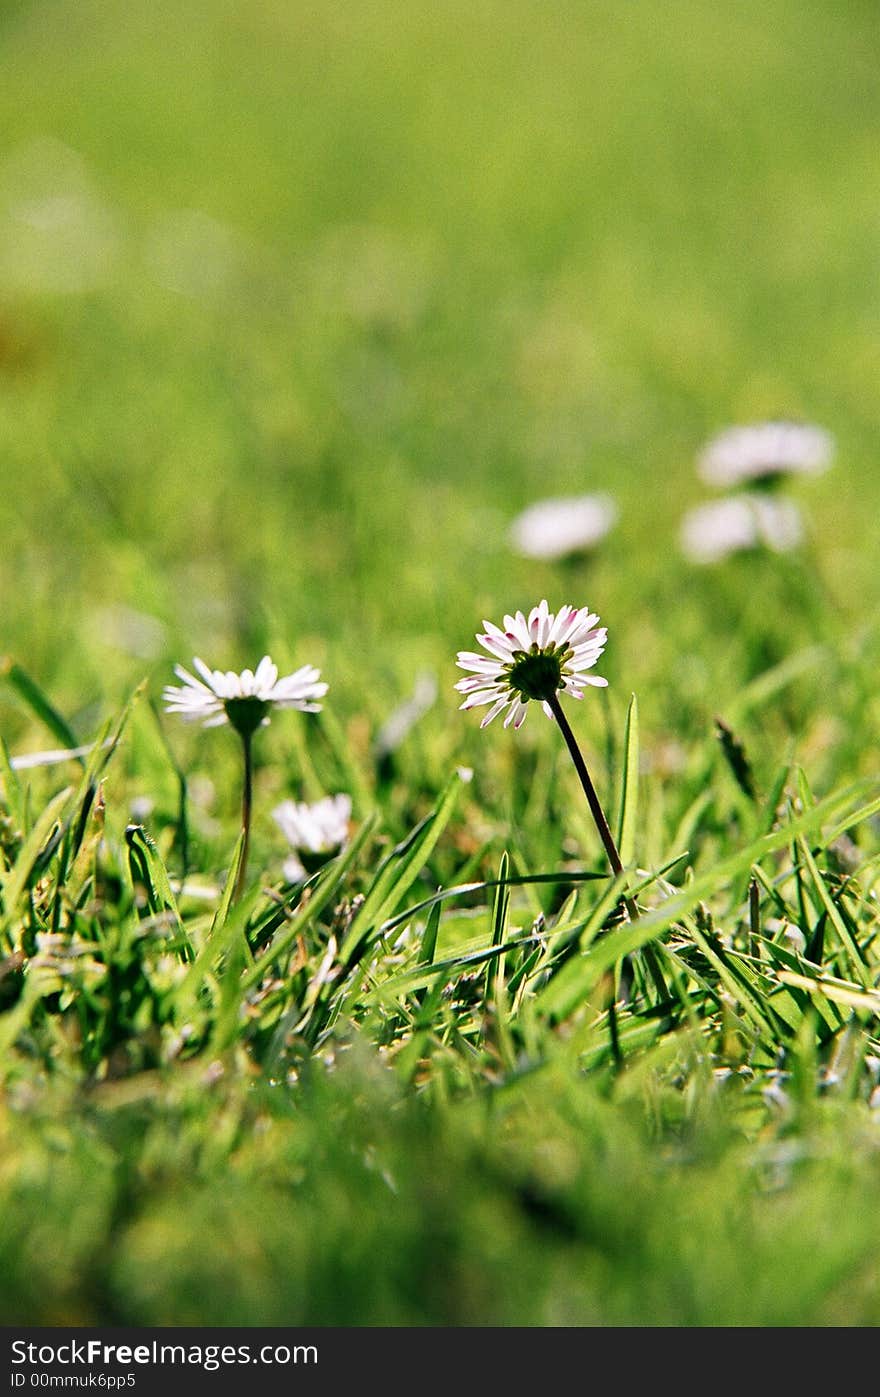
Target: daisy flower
{"x":558,"y":528}
{"x":245,"y":699}
{"x":712,"y":531}
{"x":765,"y":451}
{"x":537,"y":658}
{"x":319,"y":828}
{"x":314,"y":832}
{"x":532,"y":659}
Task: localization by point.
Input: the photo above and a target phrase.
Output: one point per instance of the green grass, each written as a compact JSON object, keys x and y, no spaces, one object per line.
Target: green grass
{"x":298,"y":307}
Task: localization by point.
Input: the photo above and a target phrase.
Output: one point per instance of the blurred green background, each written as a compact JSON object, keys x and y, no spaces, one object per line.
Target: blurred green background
{"x":300,"y":304}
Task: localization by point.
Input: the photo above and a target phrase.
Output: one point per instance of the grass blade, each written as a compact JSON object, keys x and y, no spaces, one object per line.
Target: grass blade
{"x":324,"y":889}
{"x":856,"y":960}
{"x":44,"y":835}
{"x":399,"y":874}
{"x":30,"y":692}
{"x":148,"y":868}
{"x":629,"y":795}
{"x":429,"y":936}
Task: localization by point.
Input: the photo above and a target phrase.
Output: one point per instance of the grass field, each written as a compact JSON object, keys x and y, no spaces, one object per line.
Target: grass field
{"x":300,"y":306}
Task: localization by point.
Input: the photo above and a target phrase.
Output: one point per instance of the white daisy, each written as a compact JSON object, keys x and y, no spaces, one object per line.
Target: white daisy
{"x":319,"y":828}
{"x":557,"y":528}
{"x":532,"y":658}
{"x":713,"y":531}
{"x":244,"y":700}
{"x":765,"y":450}
{"x":314,"y":831}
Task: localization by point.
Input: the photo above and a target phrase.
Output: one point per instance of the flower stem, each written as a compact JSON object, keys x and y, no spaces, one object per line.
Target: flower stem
{"x":246,"y":802}
{"x":589,"y":789}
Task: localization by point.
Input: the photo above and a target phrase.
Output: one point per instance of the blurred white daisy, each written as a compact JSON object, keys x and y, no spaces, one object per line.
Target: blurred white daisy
{"x":557,"y":528}
{"x":244,"y":699}
{"x":314,"y":832}
{"x":532,"y":658}
{"x":712,"y":531}
{"x":765,"y":450}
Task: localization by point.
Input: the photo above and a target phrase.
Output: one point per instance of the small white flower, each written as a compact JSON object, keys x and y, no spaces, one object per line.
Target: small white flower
{"x":532,"y":658}
{"x":712,"y":531}
{"x":764,"y":450}
{"x":320,"y":828}
{"x":244,"y":700}
{"x":557,"y":528}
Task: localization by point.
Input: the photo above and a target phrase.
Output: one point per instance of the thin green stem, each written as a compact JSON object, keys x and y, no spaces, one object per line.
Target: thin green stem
{"x":246,"y":804}
{"x":589,"y":789}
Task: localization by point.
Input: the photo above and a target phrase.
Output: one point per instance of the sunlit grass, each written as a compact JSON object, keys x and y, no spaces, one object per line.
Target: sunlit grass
{"x":298,"y":309}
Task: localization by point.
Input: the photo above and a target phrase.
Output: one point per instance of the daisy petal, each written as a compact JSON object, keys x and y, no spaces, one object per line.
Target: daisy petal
{"x":532,"y":658}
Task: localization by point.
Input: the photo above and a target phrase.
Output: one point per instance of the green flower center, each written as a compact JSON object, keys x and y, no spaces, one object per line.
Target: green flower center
{"x":536,"y":673}
{"x":246,"y":714}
